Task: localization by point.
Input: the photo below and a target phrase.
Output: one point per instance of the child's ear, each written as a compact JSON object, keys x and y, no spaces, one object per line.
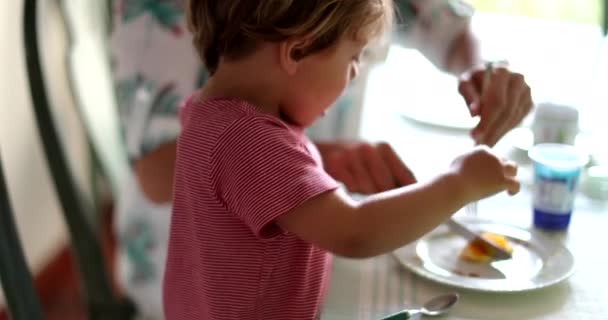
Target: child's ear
{"x":291,"y":52}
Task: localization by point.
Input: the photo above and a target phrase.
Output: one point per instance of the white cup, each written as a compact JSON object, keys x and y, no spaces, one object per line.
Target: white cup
{"x":595,"y":183}
{"x":554,"y":123}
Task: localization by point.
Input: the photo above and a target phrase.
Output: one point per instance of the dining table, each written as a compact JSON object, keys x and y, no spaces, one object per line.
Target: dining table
{"x":376,"y":287}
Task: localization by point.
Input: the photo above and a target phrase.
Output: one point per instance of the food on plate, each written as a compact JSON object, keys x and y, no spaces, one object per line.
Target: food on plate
{"x":475,"y":252}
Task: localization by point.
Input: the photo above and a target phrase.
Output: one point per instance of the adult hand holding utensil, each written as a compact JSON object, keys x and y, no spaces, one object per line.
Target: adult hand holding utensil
{"x":499,"y":96}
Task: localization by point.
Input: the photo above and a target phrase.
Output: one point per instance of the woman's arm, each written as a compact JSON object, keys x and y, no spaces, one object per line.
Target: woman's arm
{"x":441,"y":31}
{"x":154,"y":172}
{"x":463,"y":54}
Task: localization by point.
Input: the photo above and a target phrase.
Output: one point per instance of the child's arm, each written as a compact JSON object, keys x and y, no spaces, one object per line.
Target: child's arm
{"x":392,"y":219}
{"x":379,"y":224}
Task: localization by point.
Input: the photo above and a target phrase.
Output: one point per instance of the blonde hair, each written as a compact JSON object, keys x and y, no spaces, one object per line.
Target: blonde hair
{"x":232,"y":29}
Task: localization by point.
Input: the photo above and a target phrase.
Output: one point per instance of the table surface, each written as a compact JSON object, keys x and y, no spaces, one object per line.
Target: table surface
{"x":372,"y":288}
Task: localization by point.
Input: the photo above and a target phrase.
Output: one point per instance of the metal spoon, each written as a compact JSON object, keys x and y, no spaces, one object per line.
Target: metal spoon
{"x":434,"y":307}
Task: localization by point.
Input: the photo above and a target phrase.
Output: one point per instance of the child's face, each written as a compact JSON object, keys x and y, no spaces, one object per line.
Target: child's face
{"x":320,"y":80}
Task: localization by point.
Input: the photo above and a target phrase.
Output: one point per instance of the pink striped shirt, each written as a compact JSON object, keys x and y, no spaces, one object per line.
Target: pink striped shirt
{"x":237,"y":171}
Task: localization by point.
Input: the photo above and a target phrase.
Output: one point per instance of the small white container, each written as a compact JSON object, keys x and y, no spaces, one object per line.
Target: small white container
{"x":596,"y":182}
{"x":555,"y":123}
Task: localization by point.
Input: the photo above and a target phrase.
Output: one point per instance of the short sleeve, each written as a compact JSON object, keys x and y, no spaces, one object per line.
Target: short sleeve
{"x":263,"y":169}
{"x":431,"y":26}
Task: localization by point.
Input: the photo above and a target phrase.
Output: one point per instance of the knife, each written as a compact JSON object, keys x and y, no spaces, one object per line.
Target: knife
{"x":493,"y":250}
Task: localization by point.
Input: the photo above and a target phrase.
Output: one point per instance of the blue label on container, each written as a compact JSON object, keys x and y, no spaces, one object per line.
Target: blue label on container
{"x":555,"y":195}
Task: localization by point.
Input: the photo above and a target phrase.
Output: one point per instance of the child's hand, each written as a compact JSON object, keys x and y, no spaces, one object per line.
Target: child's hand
{"x":483,"y":174}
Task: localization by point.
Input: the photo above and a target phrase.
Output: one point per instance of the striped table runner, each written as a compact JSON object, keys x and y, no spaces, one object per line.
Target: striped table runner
{"x":370,"y":289}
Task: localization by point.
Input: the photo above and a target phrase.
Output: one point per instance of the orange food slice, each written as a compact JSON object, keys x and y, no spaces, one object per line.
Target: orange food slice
{"x":475,"y":252}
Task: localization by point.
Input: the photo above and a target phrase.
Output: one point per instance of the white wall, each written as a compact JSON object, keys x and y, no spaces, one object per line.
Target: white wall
{"x":34,"y":201}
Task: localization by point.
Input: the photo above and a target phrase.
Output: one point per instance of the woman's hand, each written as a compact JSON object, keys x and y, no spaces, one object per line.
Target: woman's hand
{"x":365,"y":168}
{"x":501,"y":103}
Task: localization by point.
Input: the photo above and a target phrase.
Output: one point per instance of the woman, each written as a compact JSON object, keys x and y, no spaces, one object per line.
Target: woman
{"x":148,"y":32}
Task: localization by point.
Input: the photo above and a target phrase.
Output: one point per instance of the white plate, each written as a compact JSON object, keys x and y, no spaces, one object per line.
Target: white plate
{"x":436,"y":118}
{"x":522,"y":138}
{"x":537,"y":262}
{"x":421,"y":93}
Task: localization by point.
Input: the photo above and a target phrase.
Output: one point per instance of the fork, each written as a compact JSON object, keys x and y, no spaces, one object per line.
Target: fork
{"x":471,"y":208}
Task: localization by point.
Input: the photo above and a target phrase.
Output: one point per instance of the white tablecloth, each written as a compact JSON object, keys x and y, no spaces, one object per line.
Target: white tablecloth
{"x":369,"y":289}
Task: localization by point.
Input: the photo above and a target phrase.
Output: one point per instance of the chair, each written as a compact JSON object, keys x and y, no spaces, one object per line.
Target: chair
{"x":102,"y":302}
{"x":91,"y":81}
{"x":17,"y":283}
